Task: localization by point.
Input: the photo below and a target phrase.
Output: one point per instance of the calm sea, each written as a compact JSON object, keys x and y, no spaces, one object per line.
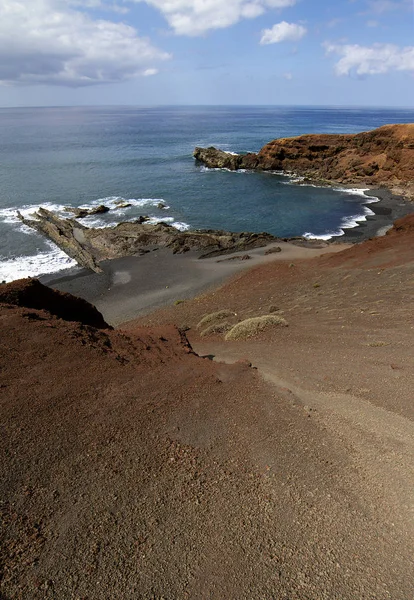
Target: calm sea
{"x":60,"y":157}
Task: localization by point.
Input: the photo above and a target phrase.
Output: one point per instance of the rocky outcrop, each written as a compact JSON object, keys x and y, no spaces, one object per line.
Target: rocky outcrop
{"x":384,"y":156}
{"x":30,"y":293}
{"x":68,"y":234}
{"x":89,"y":246}
{"x":81,"y":213}
{"x":218,"y":159}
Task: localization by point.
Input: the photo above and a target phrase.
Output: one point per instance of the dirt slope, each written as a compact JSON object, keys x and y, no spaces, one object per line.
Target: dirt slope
{"x":133,"y":468}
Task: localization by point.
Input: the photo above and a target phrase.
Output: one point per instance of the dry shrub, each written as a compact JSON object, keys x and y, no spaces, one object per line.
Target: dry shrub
{"x":214,"y":318}
{"x":216,"y":328}
{"x":250,"y":327}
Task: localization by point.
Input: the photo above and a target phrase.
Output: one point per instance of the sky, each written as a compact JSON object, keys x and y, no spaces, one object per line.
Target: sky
{"x":206,"y":52}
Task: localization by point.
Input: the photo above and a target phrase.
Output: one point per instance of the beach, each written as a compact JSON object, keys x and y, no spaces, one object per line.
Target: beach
{"x":133,"y":286}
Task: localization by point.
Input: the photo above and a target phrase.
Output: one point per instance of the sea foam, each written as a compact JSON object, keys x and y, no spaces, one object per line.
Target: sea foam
{"x":54,"y":260}
{"x":36,"y":265}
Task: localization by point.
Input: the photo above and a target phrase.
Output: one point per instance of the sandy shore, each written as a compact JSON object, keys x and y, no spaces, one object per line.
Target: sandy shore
{"x":136,"y":285}
{"x":133,"y":286}
{"x":386,"y":211}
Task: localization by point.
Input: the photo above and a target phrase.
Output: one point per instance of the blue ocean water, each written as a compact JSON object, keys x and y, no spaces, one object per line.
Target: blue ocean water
{"x":81,"y":156}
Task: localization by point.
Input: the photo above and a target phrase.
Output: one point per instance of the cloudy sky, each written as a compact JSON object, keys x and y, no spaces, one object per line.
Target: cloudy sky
{"x":326,"y":52}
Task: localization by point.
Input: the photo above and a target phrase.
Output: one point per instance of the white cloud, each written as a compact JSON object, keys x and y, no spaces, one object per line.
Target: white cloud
{"x":283,"y":32}
{"x":195,"y":17}
{"x":288,"y":76}
{"x":46,"y":41}
{"x":371,"y":60}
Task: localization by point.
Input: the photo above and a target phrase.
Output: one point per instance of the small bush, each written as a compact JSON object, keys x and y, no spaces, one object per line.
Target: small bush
{"x":216,"y":328}
{"x":177,"y":302}
{"x":214,"y":318}
{"x":250,"y":327}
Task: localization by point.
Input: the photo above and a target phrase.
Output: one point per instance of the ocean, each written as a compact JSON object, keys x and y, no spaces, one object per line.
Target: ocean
{"x":85,"y":156}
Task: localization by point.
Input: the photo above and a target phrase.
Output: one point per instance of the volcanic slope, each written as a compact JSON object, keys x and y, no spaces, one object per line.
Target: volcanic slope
{"x":133,"y":468}
{"x":346,"y":360}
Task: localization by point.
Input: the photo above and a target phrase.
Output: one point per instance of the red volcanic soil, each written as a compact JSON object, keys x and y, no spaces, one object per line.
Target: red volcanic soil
{"x":133,"y":468}
{"x":381,"y":156}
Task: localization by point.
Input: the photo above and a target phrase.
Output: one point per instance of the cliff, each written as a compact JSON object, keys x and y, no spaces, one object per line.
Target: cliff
{"x":382,"y":157}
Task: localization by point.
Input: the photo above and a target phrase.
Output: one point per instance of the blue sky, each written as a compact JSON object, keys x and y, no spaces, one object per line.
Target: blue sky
{"x":152,"y":52}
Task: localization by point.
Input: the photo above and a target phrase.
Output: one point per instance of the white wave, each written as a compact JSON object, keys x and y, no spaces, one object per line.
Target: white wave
{"x":36,"y":265}
{"x":347,"y":223}
{"x":9,"y":215}
{"x":230,"y":152}
{"x":181,"y":226}
{"x":204,"y":169}
{"x":112,"y":202}
{"x":324,"y":236}
{"x":358,"y":192}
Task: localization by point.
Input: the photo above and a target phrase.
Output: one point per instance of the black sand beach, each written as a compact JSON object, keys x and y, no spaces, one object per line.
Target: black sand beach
{"x":136,"y":285}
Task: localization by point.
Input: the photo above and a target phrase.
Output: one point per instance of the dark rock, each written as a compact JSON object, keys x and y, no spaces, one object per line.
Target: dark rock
{"x":239,"y":257}
{"x":122,"y":204}
{"x":218,"y":159}
{"x":89,"y":246}
{"x":81,"y":213}
{"x":30,"y":293}
{"x":69,"y":235}
{"x":273,"y":250}
{"x":142,"y":219}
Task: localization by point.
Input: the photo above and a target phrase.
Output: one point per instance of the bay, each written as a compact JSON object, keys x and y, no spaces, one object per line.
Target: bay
{"x":84,"y":156}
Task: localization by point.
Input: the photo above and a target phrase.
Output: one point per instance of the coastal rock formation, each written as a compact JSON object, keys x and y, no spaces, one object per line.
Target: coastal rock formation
{"x":384,"y":156}
{"x":81,"y":213}
{"x":68,"y":234}
{"x":89,"y":246}
{"x":218,"y":159}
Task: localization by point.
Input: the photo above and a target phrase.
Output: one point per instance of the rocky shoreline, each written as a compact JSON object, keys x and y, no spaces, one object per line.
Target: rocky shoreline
{"x":383,"y":157}
{"x":90,"y":246}
{"x":379,"y":162}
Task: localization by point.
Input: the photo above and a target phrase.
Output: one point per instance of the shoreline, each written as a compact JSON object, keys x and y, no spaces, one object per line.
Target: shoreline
{"x":133,"y":286}
{"x":388,"y":209}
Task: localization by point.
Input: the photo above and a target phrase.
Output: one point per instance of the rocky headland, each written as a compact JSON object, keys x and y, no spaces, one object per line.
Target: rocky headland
{"x":382,"y":157}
